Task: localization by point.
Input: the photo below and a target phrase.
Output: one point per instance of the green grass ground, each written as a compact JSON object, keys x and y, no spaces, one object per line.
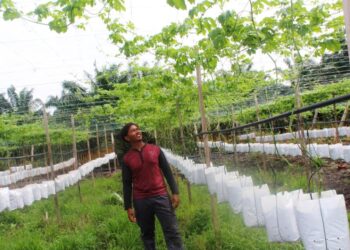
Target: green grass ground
{"x":101,"y":223}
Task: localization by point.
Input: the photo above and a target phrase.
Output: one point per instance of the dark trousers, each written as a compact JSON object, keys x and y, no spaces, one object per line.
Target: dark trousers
{"x":160,"y":206}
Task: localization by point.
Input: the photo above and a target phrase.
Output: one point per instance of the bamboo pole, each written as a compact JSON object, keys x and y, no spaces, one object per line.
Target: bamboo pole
{"x":75,"y":155}
{"x":314,"y":119}
{"x":188,"y":184}
{"x":113,"y":149}
{"x":49,"y":153}
{"x":206,"y":146}
{"x":32,"y":161}
{"x":345,"y":115}
{"x":98,"y":142}
{"x":337,"y":139}
{"x":180,"y":125}
{"x":89,"y":155}
{"x":198,"y":141}
{"x":106,"y":147}
{"x":257,"y":108}
{"x":155,"y":136}
{"x":234,"y":142}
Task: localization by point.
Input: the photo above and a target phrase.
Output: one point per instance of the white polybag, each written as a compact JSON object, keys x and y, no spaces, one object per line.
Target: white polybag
{"x":4,"y":198}
{"x":323,"y":223}
{"x":280,"y":221}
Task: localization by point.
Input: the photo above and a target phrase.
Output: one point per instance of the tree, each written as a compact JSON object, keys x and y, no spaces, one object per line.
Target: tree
{"x":22,"y":102}
{"x":72,"y":97}
{"x":5,"y":106}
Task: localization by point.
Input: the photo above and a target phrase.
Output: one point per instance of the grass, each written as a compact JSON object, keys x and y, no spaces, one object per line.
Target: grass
{"x":100,"y":222}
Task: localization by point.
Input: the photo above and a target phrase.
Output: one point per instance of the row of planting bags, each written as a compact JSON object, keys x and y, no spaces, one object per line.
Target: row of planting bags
{"x":313,"y":134}
{"x":16,"y":174}
{"x":334,"y":151}
{"x":320,"y":221}
{"x":12,"y":199}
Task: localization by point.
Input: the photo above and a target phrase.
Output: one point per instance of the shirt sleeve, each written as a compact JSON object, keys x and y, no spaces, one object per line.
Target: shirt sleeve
{"x":127,"y":185}
{"x":164,"y":166}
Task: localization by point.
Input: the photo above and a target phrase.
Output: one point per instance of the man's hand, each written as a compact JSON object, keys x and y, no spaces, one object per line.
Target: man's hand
{"x":175,"y":200}
{"x":131,"y":215}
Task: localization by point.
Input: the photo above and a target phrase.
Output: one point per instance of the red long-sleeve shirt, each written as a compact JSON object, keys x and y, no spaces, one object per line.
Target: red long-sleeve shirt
{"x":144,"y":172}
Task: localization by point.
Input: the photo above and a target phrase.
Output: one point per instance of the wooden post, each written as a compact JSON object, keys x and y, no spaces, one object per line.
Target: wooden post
{"x":155,"y":136}
{"x":62,"y":158}
{"x":234,"y":134}
{"x":49,"y":154}
{"x":189,"y":191}
{"x":260,"y":130}
{"x":346,"y":8}
{"x":345,"y":115}
{"x":172,"y":144}
{"x":257,"y":111}
{"x":32,"y":161}
{"x":181,"y":127}
{"x":300,"y":121}
{"x":46,"y":162}
{"x":314,"y":119}
{"x":113,"y":146}
{"x":89,"y":155}
{"x":337,"y":140}
{"x":203,"y":117}
{"x":98,"y":142}
{"x":206,"y":146}
{"x":75,"y":155}
{"x":106,"y":146}
{"x":198,"y":140}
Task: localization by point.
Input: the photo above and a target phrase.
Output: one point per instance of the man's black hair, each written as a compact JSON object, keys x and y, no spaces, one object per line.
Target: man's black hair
{"x":124,"y":131}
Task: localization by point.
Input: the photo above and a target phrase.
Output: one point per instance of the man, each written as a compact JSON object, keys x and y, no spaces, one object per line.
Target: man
{"x":144,"y":167}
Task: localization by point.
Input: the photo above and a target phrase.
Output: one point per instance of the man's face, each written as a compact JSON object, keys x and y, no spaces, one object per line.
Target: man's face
{"x":134,"y":134}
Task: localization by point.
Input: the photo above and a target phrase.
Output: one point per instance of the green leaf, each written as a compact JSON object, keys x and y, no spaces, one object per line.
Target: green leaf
{"x":178,"y":4}
{"x":59,"y":25}
{"x":11,"y":14}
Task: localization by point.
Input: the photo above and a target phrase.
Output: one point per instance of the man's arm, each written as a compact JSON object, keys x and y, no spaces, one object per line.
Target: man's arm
{"x":164,"y":166}
{"x":127,"y":189}
{"x":127,"y":185}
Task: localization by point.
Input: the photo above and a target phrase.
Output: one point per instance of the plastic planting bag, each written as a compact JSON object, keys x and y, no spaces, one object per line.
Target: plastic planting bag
{"x":234,"y":194}
{"x":199,"y":174}
{"x":251,"y":202}
{"x":50,"y":187}
{"x":59,"y":184}
{"x":330,"y":132}
{"x":323,"y":150}
{"x":269,"y":149}
{"x":244,"y":148}
{"x":231,"y":176}
{"x":323,"y":223}
{"x":344,"y":131}
{"x":4,"y":199}
{"x":27,"y":194}
{"x":16,"y":199}
{"x":219,"y":184}
{"x":336,"y":151}
{"x":228,"y":147}
{"x":280,"y":221}
{"x":44,"y":190}
{"x":36,"y":191}
{"x":346,"y":151}
{"x":295,"y":150}
{"x":5,"y":180}
{"x":210,"y":177}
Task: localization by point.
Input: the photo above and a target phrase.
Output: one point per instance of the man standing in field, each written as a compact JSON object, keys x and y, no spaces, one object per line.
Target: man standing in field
{"x":144,"y":167}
